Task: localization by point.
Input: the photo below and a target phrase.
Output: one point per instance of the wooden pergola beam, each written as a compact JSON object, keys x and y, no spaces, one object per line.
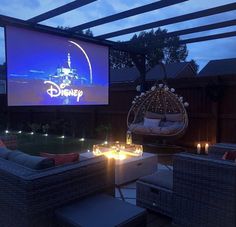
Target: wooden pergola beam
{"x":128,"y":13}
{"x":60,"y":10}
{"x":201,"y":28}
{"x":209,"y":37}
{"x":173,"y":20}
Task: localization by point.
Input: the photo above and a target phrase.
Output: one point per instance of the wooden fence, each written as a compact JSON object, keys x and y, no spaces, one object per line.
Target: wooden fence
{"x":212,"y":111}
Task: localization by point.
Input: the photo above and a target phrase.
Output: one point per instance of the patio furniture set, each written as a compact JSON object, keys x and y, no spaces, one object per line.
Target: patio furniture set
{"x":200,"y":191}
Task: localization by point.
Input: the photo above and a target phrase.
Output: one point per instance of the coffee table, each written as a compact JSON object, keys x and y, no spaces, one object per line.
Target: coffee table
{"x":131,"y":168}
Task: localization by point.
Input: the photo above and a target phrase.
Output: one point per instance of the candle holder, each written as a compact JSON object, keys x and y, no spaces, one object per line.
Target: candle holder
{"x":129,"y":137}
{"x":118,"y":150}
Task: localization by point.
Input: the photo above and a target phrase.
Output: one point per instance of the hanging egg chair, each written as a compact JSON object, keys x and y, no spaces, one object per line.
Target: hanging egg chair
{"x":158,"y":112}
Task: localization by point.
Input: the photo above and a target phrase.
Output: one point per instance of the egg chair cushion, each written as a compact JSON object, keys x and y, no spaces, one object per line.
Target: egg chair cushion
{"x":152,"y":115}
{"x":174,"y":127}
{"x":174,"y":117}
{"x":156,"y":130}
{"x":166,"y":123}
{"x":151,"y":123}
{"x":140,"y":128}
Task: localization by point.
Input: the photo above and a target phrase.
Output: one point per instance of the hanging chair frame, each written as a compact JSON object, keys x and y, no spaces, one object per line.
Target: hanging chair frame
{"x":160,"y":99}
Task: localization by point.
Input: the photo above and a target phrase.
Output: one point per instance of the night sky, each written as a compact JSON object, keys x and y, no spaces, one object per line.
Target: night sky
{"x":201,"y":52}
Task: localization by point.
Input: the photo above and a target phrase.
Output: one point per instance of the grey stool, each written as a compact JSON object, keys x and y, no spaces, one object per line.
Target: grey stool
{"x":101,"y":211}
{"x":155,"y":192}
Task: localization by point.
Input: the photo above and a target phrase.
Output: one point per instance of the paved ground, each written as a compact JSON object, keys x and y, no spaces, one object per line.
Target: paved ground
{"x":128,"y":194}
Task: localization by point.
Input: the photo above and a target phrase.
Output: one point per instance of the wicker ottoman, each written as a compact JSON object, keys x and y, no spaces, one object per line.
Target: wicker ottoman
{"x":154,"y":192}
{"x":101,"y":211}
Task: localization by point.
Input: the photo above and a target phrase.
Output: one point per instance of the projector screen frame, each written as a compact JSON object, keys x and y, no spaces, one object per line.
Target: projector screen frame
{"x":63,"y":34}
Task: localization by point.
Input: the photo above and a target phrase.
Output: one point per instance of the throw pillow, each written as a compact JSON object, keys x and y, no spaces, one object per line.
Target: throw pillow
{"x":30,"y":161}
{"x":151,"y":123}
{"x":2,"y":144}
{"x":174,"y":117}
{"x":61,"y":159}
{"x":229,"y":155}
{"x":152,"y":115}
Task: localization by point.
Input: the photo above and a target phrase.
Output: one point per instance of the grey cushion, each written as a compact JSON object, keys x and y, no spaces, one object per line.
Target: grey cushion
{"x":152,"y":115}
{"x":174,"y":117}
{"x":30,"y":161}
{"x":166,"y":123}
{"x":100,"y":211}
{"x":219,"y":149}
{"x":156,"y":130}
{"x":172,"y":128}
{"x":140,"y":128}
{"x":151,"y":123}
{"x":4,"y":152}
{"x":163,"y":178}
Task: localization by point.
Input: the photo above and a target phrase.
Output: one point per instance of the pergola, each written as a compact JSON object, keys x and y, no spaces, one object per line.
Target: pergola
{"x":74,"y":31}
{"x":34,"y":22}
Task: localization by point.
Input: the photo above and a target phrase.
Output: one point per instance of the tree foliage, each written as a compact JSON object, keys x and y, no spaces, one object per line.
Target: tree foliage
{"x":154,"y":45}
{"x":87,"y":32}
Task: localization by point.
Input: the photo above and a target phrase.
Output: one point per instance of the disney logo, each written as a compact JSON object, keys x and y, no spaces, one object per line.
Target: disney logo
{"x":55,"y":91}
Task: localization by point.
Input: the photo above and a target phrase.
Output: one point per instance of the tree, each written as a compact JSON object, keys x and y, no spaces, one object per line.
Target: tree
{"x":194,"y":65}
{"x":87,"y":32}
{"x":154,"y":45}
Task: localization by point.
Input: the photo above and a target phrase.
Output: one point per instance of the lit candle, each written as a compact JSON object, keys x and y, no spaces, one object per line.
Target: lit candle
{"x":206,"y":148}
{"x":198,"y":148}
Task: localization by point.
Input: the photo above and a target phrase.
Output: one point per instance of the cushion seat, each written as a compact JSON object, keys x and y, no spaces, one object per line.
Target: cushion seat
{"x":101,"y":211}
{"x":163,"y":178}
{"x":155,"y":192}
{"x":167,"y":128}
{"x":30,"y":161}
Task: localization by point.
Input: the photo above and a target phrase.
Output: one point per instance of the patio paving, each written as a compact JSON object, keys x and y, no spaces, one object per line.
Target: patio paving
{"x":127,"y":193}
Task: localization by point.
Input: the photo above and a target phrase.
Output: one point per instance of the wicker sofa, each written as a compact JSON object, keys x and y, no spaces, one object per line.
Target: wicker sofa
{"x":28,"y":198}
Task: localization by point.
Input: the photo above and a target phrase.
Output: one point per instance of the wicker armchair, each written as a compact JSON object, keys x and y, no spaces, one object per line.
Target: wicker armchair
{"x":218,"y":150}
{"x":204,"y":192}
{"x":28,"y":198}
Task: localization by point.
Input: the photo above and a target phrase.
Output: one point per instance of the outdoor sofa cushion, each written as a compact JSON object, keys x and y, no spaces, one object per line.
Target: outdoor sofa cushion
{"x":30,"y":161}
{"x":61,"y":159}
{"x":4,"y":152}
{"x":9,"y":141}
{"x":101,"y":211}
{"x":218,"y":150}
{"x":163,"y":178}
{"x":229,"y":155}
